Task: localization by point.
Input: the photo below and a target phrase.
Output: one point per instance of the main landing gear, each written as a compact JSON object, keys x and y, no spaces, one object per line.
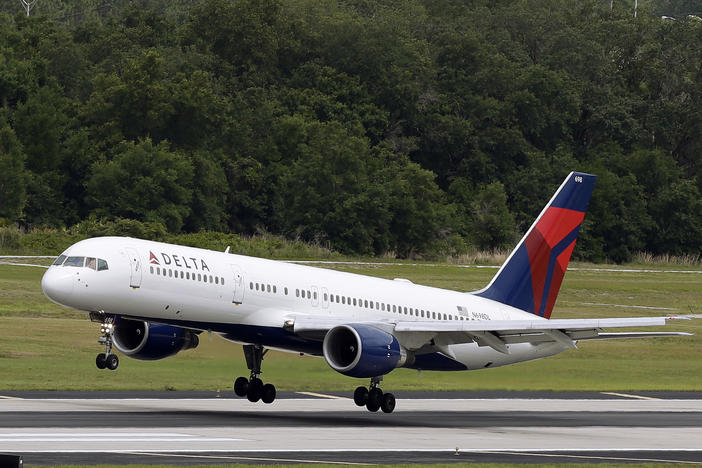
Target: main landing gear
{"x":105,"y":360}
{"x":253,"y":388}
{"x":373,"y":397}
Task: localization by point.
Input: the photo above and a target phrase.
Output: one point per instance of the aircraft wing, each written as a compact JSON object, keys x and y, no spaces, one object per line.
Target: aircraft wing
{"x":497,"y":334}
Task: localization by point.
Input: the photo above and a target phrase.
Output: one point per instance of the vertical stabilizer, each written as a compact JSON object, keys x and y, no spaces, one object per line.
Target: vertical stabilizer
{"x":531,"y":277}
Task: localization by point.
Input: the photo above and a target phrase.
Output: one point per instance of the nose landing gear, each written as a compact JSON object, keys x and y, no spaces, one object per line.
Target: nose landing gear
{"x":373,"y":397}
{"x":105,"y":360}
{"x":253,"y":388}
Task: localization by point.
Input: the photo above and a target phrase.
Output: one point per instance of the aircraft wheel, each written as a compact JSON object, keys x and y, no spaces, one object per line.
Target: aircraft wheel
{"x":387,"y":403}
{"x":112,"y":362}
{"x":241,"y":386}
{"x":100,"y":361}
{"x":255,"y":390}
{"x":375,"y":396}
{"x":268,"y":393}
{"x":360,"y":396}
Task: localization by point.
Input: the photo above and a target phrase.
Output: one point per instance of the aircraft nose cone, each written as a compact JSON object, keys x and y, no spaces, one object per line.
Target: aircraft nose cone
{"x":57,"y":285}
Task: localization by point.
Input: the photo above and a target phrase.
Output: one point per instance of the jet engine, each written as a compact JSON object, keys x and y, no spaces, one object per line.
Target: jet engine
{"x":359,"y":350}
{"x":151,"y":341}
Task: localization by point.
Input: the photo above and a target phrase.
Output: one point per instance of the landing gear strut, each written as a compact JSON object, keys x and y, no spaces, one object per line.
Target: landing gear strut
{"x":105,"y":360}
{"x":373,"y":397}
{"x":253,"y":388}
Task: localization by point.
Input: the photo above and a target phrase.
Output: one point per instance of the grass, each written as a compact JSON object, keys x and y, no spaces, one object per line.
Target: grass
{"x":47,"y":347}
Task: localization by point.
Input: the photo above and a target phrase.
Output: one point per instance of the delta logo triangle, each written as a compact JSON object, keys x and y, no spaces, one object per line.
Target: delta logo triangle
{"x":152,"y":258}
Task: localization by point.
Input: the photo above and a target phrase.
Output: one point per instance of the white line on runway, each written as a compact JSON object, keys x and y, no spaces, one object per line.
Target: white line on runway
{"x":24,"y":264}
{"x":225,"y":457}
{"x":626,"y":306}
{"x":592,"y":457}
{"x":97,"y":438}
{"x":627,"y":395}
{"x":322,"y":395}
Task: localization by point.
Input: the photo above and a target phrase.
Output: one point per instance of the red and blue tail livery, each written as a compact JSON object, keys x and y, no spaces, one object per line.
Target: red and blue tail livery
{"x":531,"y":277}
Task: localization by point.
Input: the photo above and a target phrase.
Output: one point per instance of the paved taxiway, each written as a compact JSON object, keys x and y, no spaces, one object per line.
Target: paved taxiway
{"x":505,"y":427}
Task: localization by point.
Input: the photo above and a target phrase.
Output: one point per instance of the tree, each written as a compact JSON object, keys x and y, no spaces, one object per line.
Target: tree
{"x":13,"y":177}
{"x":145,"y":182}
{"x":493,"y":224}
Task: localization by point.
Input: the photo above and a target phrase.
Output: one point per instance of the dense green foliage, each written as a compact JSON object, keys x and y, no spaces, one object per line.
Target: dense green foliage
{"x":392,"y":126}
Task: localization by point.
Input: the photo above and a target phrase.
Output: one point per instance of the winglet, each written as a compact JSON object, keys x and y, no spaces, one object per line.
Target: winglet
{"x":531,"y":277}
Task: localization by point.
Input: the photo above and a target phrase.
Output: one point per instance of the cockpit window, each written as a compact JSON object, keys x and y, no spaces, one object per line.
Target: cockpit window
{"x":102,"y":264}
{"x":74,"y":261}
{"x":59,"y":260}
{"x":91,"y":262}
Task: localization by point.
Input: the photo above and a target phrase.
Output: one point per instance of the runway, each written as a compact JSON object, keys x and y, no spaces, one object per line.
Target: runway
{"x":199,"y":427}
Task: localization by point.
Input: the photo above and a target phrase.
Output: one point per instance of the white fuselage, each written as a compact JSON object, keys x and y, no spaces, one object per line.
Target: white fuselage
{"x":249,"y":300}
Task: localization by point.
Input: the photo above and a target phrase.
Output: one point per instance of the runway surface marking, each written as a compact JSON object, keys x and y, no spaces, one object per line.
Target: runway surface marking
{"x":625,"y":306}
{"x":322,"y":395}
{"x":592,"y":457}
{"x":324,"y":405}
{"x":233,"y":458}
{"x":101,"y":436}
{"x":627,"y":395}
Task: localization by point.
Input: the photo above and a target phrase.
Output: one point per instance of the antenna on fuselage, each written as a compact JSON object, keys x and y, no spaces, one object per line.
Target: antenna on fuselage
{"x":227,"y":249}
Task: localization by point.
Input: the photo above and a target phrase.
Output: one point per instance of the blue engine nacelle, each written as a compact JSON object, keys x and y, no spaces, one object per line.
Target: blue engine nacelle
{"x":360,"y":350}
{"x":151,"y":341}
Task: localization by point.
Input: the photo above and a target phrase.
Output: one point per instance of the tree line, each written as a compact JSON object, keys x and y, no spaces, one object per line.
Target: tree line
{"x":406,"y":127}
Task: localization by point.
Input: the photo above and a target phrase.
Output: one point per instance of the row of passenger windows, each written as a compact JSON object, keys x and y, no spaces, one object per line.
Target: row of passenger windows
{"x":87,"y":262}
{"x":185,"y":275}
{"x":394,"y":308}
{"x":352,"y":301}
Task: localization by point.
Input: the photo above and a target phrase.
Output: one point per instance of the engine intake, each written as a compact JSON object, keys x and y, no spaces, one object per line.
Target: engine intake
{"x":359,"y":350}
{"x":151,"y":341}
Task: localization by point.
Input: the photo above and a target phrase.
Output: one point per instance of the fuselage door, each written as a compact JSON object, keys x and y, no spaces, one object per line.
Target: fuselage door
{"x":135,"y":267}
{"x":238,"y":285}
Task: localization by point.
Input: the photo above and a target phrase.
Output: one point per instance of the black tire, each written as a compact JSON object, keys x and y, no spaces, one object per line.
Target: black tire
{"x":388,"y":403}
{"x":100,"y":361}
{"x":360,"y":396}
{"x":112,"y":362}
{"x":255,"y":390}
{"x":241,"y":386}
{"x":375,"y":397}
{"x":268,"y":393}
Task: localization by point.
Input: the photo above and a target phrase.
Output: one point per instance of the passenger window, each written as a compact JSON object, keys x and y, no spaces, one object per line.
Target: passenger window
{"x":354,"y":301}
{"x":221,"y":281}
{"x":216,"y":279}
{"x":297,"y":293}
{"x":170,"y":273}
{"x":274,"y":290}
{"x":211,"y":279}
{"x":151,"y":270}
{"x":59,"y":260}
{"x":268,"y":288}
{"x":286,"y":291}
{"x":199,"y":277}
{"x":309,"y":294}
{"x":315,"y":295}
{"x":187,"y":275}
{"x":74,"y":261}
{"x":343,"y":299}
{"x":102,"y":264}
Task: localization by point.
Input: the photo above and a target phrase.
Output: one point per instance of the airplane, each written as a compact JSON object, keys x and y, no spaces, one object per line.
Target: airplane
{"x":153,"y":300}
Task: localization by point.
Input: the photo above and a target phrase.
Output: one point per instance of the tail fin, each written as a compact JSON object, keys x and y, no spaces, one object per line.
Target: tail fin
{"x":531,"y":277}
